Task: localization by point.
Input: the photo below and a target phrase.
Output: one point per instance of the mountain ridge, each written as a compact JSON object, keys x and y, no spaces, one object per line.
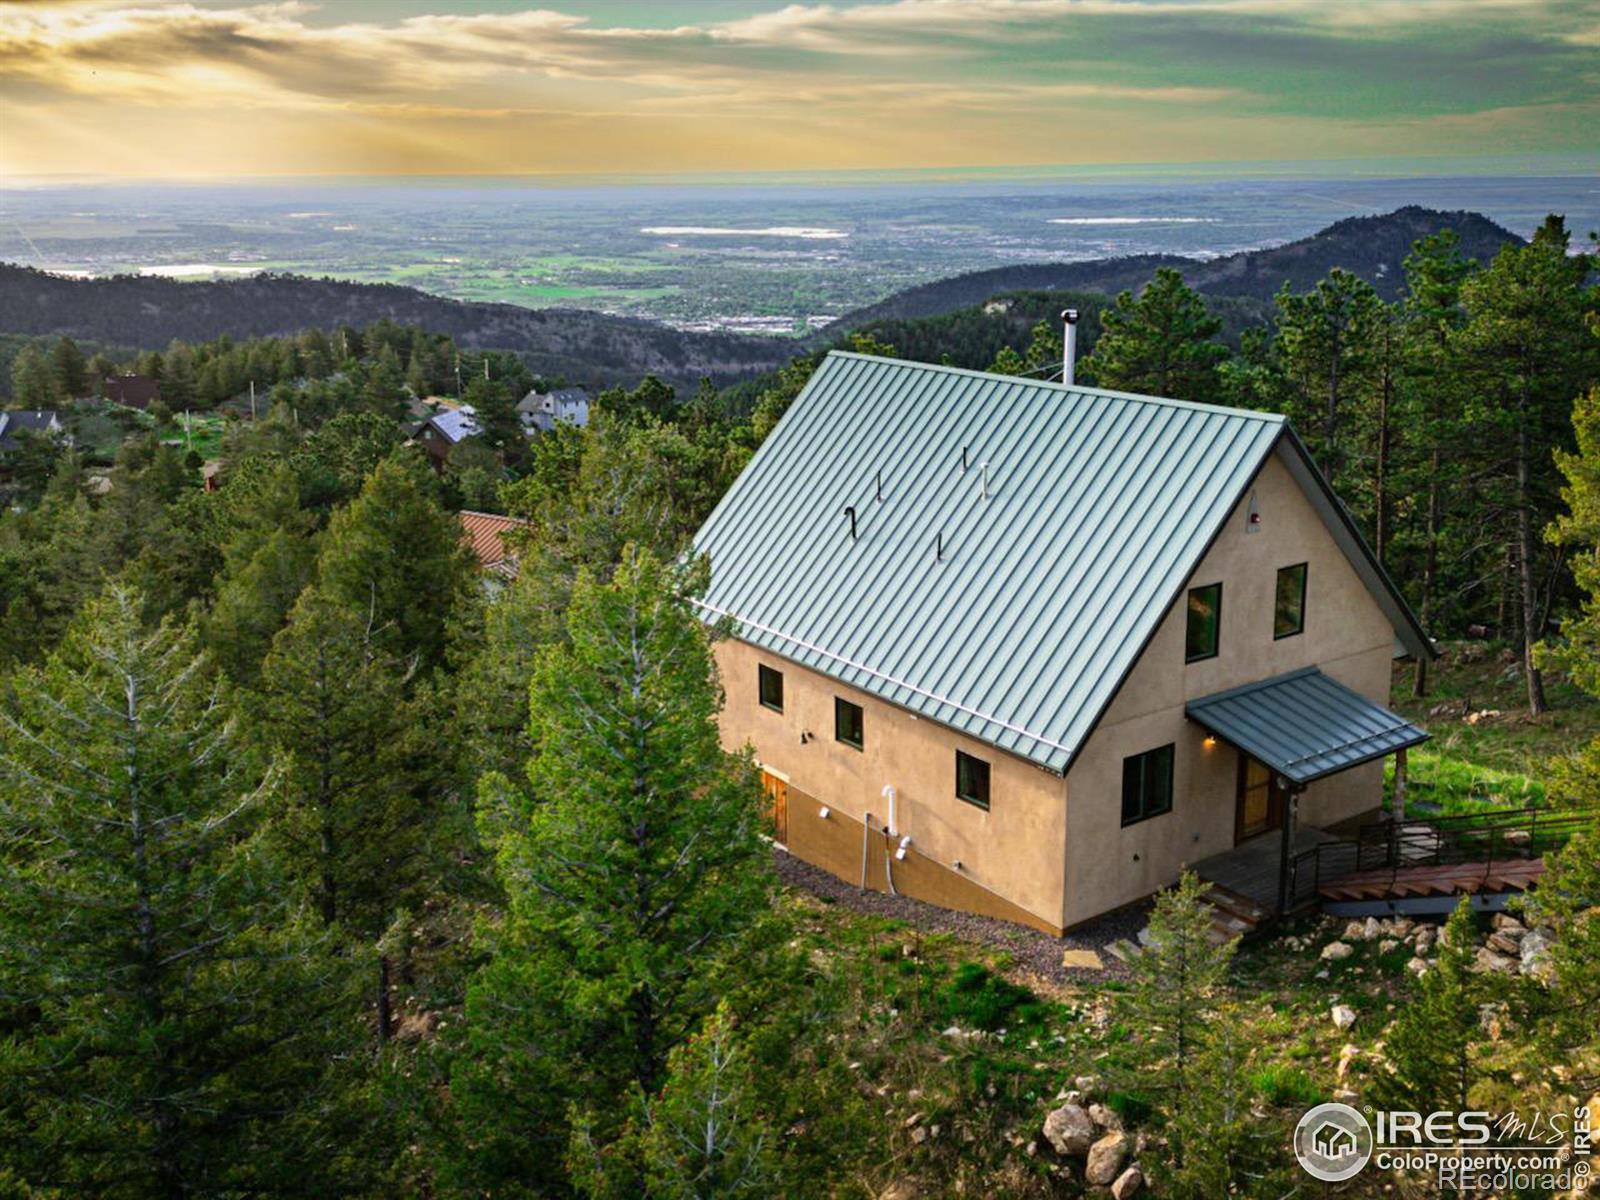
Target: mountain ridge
{"x":600,"y":348}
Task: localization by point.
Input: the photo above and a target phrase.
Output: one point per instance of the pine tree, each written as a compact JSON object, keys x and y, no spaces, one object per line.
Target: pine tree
{"x":358,"y":807}
{"x":383,"y":392}
{"x":1177,"y":983}
{"x":700,"y":1138}
{"x":33,"y":383}
{"x":396,"y":555}
{"x":632,"y":865}
{"x":1429,"y":1047}
{"x":1161,"y":344}
{"x":1431,"y":312}
{"x":1324,"y":343}
{"x":70,"y":368}
{"x":171,"y":1017}
{"x":1525,"y":354}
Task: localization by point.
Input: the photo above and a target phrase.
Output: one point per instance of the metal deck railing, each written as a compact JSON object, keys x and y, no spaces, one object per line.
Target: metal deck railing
{"x":1493,"y":837}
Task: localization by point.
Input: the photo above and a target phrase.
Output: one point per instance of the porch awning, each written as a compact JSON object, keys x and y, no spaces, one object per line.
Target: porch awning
{"x":1304,"y":725}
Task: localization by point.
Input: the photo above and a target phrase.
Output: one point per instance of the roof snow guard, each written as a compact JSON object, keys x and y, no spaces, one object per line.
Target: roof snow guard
{"x":1304,"y":725}
{"x":986,"y":551}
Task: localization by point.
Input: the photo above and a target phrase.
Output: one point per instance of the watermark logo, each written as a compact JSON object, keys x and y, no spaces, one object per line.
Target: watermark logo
{"x":1333,"y":1142}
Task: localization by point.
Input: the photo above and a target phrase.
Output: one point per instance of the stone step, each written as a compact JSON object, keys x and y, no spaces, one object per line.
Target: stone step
{"x":1124,"y":950}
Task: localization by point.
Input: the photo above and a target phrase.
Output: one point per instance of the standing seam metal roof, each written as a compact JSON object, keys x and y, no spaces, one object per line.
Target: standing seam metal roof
{"x":1304,"y":725}
{"x":1100,"y":505}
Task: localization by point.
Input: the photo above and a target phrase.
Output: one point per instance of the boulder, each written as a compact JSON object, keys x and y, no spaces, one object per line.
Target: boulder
{"x":1336,"y":951}
{"x":1517,"y":837}
{"x":1353,"y":931}
{"x":1104,"y":1117}
{"x":1105,"y":1159}
{"x":1417,"y":966}
{"x":1347,"y":1056}
{"x":1387,"y":945}
{"x":1087,"y":1084}
{"x":1534,"y":954}
{"x":1343,"y":1016}
{"x":900,"y":1189}
{"x":1502,"y":943}
{"x":1127,"y":1184}
{"x":1372,"y":930}
{"x":1069,"y":1131}
{"x":1488,"y":960}
{"x":1506,"y":923}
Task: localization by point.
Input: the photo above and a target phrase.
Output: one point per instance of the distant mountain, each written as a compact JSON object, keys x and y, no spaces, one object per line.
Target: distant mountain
{"x":595,"y":348}
{"x":585,"y":347}
{"x":1372,"y":247}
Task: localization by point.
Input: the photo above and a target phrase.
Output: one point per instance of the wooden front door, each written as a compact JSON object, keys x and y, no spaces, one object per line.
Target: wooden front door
{"x":1260,"y":800}
{"x":777,"y":791}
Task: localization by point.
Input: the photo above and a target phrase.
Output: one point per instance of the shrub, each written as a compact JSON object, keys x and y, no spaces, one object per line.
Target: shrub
{"x":976,"y":997}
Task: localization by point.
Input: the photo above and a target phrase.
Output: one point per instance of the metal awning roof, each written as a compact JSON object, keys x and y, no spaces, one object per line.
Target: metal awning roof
{"x":1304,"y":725}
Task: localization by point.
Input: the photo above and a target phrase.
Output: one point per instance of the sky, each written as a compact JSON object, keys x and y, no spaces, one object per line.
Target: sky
{"x":230,"y":88}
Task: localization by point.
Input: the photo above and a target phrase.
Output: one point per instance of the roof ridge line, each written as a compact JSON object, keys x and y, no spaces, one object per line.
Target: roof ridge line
{"x":911,"y":687}
{"x":1269,"y":418}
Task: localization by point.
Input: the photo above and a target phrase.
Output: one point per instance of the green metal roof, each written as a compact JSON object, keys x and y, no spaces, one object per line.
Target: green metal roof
{"x":1012,"y":618}
{"x":1304,"y":725}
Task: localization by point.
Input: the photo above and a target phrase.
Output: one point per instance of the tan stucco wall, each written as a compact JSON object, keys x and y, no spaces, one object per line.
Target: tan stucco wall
{"x":1017,"y":848}
{"x":1346,"y":635}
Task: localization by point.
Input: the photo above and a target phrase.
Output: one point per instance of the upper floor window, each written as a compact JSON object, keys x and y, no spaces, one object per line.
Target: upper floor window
{"x":1205,"y":621}
{"x":847,"y":723}
{"x":771,"y":687}
{"x":1147,"y":784}
{"x":1289,"y":607}
{"x":972,"y":780}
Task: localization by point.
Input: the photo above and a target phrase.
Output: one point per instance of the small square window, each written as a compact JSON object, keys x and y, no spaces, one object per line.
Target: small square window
{"x":1289,"y":606}
{"x":1205,"y":619}
{"x":1147,"y":784}
{"x":847,"y":723}
{"x":771,"y":684}
{"x":972,"y":780}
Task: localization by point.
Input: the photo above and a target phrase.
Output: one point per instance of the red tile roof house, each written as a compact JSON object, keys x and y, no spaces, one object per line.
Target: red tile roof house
{"x":485,"y":533}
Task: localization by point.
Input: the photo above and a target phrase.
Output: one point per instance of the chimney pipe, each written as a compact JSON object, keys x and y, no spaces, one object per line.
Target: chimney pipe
{"x":1069,"y":345}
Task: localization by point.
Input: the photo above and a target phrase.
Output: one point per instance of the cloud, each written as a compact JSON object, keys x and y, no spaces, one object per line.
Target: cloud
{"x":997,"y":73}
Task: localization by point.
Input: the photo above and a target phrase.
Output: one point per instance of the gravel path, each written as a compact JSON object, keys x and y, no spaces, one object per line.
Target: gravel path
{"x":1031,"y":951}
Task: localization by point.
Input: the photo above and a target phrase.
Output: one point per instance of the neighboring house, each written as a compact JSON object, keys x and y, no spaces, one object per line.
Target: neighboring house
{"x":1029,"y":650}
{"x":541,"y":410}
{"x":485,"y":534}
{"x":134,"y":391}
{"x":447,"y":429}
{"x":14,"y":424}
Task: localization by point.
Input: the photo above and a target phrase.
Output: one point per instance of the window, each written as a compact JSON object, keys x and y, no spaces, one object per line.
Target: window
{"x":1289,"y":608}
{"x":1147,"y":785}
{"x":1205,"y":618}
{"x":847,"y":722}
{"x":771,"y":683}
{"x":972,"y":780}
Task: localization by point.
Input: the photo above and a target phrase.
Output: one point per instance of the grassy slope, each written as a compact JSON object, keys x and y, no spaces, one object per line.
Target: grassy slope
{"x":1487,"y":750}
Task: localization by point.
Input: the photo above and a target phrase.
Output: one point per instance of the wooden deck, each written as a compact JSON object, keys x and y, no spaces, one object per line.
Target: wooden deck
{"x":1252,"y":869}
{"x":1448,"y":879}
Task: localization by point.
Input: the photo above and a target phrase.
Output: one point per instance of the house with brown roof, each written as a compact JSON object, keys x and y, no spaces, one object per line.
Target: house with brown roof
{"x":485,"y":534}
{"x":132,"y":391}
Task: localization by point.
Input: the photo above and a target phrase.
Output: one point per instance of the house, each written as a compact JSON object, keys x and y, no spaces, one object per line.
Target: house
{"x":541,"y":410}
{"x":1028,"y":650}
{"x":16,"y":424}
{"x":133,"y":391}
{"x":485,"y":534}
{"x":445,"y":430}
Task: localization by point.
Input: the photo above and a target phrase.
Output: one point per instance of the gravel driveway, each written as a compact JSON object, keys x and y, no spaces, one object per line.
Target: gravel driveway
{"x":1031,"y":951}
